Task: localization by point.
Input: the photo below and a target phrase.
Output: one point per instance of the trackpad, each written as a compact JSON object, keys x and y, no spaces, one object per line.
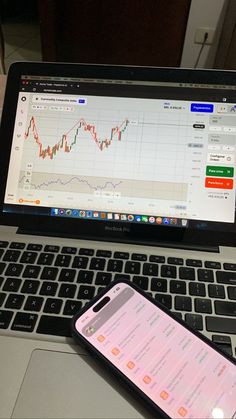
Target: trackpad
{"x":62,"y":385}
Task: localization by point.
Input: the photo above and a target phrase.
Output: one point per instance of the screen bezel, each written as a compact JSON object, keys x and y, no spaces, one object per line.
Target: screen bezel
{"x":198,"y":234}
{"x":80,"y":339}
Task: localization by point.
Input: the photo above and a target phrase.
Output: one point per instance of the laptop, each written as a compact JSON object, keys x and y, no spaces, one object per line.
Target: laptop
{"x":109,"y":172}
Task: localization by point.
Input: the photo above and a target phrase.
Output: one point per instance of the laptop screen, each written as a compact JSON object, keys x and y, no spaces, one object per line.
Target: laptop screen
{"x":137,"y":151}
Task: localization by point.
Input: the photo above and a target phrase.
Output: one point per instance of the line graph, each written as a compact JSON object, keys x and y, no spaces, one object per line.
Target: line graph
{"x":59,"y":182}
{"x":63,"y":143}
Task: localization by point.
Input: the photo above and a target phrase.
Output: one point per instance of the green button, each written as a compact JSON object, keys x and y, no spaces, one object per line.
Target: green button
{"x":220,"y":171}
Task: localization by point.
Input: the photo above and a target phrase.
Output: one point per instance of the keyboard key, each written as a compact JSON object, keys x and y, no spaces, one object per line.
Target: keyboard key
{"x":69,"y":250}
{"x":139,"y":257}
{"x":28,"y":257}
{"x":100,"y":289}
{"x":2,"y":298}
{"x":2,"y":267}
{"x":226,"y":308}
{"x":164,"y":299}
{"x":121,"y":255}
{"x":194,"y":262}
{"x":212,"y":265}
{"x":183,"y":303}
{"x":205,"y":275}
{"x":80,"y":262}
{"x":24,"y":322}
{"x":54,"y":325}
{"x":49,"y":273}
{"x":48,"y":288}
{"x":194,"y":320}
{"x":30,"y":286}
{"x":187,"y":273}
{"x":45,"y":259}
{"x":159,"y":284}
{"x":63,"y":260}
{"x":17,"y":245}
{"x":103,"y":278}
{"x":67,"y":275}
{"x":221,"y":339}
{"x":115,"y":265}
{"x":51,"y":248}
{"x":133,"y":268}
{"x":225,"y":348}
{"x":168,"y":271}
{"x":141,"y":281}
{"x":229,"y":266}
{"x":67,"y":290}
{"x":226,"y":277}
{"x":14,"y":269}
{"x":72,"y":307}
{"x":177,"y":314}
{"x":31,"y":271}
{"x":14,"y":301}
{"x":53,"y":305}
{"x":33,"y":303}
{"x":231,"y":293}
{"x":12,"y":284}
{"x":157,"y":259}
{"x":175,"y":261}
{"x":202,"y":305}
{"x":150,"y":269}
{"x":5,"y":318}
{"x":198,"y":289}
{"x":122,"y":276}
{"x":35,"y":247}
{"x":104,"y":253}
{"x":221,"y":325}
{"x":223,"y":342}
{"x":86,"y":252}
{"x":97,"y":264}
{"x":85,"y":277}
{"x":177,"y":287}
{"x":3,"y":244}
{"x":11,"y":256}
{"x":86,"y":292}
{"x":216,"y":291}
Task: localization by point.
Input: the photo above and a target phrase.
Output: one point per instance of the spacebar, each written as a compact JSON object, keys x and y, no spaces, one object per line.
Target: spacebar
{"x":52,"y":325}
{"x":221,"y":324}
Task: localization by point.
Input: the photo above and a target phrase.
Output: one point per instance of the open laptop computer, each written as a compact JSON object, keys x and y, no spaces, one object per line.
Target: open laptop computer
{"x":109,"y":172}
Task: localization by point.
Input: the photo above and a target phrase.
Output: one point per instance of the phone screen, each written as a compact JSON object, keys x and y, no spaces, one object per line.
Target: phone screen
{"x":178,"y":371}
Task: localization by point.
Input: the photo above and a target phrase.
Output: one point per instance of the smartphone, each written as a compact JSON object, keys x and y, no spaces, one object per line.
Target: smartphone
{"x":175,"y":370}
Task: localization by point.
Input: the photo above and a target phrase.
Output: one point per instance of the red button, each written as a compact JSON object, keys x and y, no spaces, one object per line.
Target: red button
{"x":215,"y":182}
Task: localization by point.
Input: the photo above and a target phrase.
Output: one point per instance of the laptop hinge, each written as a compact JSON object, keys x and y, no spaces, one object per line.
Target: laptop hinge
{"x":125,"y":240}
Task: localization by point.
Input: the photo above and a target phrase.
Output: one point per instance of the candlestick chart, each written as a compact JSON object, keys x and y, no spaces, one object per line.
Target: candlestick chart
{"x":103,"y":156}
{"x":64,"y":144}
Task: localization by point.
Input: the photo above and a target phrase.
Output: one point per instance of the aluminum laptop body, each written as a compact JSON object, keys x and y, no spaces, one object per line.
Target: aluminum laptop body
{"x":109,"y":172}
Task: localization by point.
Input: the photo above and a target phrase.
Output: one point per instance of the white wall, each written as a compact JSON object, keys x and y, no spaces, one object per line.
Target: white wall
{"x":203,"y":13}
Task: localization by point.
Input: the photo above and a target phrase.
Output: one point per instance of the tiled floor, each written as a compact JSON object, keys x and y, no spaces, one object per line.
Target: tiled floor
{"x":22,"y":42}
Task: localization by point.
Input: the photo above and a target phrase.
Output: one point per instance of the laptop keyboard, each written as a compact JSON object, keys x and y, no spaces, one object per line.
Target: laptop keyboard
{"x":42,"y":287}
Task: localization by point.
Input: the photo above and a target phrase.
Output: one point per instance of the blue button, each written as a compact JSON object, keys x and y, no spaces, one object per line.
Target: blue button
{"x":202,"y":107}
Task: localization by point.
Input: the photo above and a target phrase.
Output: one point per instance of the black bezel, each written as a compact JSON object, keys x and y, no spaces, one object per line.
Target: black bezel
{"x":203,"y":235}
{"x":114,"y":370}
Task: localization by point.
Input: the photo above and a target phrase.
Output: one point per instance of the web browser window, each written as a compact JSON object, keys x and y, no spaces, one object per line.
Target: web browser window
{"x":111,"y":147}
